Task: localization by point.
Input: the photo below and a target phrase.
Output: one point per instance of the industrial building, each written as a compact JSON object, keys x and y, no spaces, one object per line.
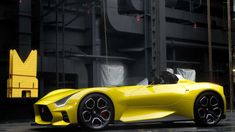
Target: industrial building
{"x":91,"y":43}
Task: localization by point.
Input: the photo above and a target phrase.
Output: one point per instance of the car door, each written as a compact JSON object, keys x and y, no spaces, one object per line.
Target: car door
{"x":166,"y":94}
{"x":151,"y":95}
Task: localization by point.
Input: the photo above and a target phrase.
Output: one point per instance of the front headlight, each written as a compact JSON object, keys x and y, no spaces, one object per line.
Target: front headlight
{"x":63,"y":101}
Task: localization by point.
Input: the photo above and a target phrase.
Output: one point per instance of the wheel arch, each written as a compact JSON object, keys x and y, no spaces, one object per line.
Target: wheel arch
{"x":103,"y":95}
{"x":212,"y":91}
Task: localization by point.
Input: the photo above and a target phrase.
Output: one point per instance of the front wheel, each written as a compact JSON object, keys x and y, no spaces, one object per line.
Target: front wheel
{"x":208,"y":109}
{"x":95,"y":112}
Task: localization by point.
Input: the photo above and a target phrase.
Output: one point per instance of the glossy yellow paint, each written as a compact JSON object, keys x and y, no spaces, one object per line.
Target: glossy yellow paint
{"x":140,"y":114}
{"x":22,"y":76}
{"x":132,"y":103}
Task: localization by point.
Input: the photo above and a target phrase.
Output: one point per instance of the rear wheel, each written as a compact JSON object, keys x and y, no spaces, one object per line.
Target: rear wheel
{"x":208,"y":109}
{"x":95,"y":111}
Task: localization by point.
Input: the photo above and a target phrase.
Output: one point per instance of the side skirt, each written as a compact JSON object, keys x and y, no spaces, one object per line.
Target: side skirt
{"x":171,"y":118}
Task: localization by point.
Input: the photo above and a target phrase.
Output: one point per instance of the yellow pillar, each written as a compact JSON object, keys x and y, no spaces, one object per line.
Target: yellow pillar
{"x":22,"y":81}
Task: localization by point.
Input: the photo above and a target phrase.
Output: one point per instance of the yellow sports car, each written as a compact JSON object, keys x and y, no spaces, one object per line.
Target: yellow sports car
{"x":172,"y":99}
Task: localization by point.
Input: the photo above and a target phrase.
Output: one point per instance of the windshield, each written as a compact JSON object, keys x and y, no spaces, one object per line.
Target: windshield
{"x":164,"y":78}
{"x":143,"y":82}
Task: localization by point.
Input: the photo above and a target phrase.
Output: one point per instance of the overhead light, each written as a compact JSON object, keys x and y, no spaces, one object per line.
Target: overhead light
{"x":233,"y":70}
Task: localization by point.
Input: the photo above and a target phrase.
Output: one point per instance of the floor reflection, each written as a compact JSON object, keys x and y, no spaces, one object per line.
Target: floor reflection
{"x":227,"y":125}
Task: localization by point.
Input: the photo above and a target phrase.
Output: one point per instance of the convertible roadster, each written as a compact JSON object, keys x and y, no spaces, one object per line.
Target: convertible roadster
{"x":172,"y":99}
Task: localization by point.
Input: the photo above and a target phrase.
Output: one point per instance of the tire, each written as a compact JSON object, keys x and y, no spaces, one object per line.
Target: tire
{"x":208,"y":109}
{"x":95,"y":112}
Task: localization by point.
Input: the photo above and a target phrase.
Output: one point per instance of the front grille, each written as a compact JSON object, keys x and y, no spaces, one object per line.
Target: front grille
{"x":45,"y":113}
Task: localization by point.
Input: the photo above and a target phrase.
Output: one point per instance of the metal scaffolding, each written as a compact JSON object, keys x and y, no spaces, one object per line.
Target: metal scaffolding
{"x":61,"y":24}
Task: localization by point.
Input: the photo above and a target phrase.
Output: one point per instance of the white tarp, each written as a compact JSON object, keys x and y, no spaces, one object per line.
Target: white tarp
{"x":189,"y":74}
{"x":233,"y":5}
{"x":113,"y":74}
{"x":170,"y":70}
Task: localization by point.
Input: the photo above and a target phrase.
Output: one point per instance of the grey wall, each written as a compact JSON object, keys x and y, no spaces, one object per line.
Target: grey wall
{"x":81,"y":45}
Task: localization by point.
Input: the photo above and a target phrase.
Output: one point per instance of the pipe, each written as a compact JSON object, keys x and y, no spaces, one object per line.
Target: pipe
{"x":56,"y":47}
{"x":128,"y":23}
{"x":100,"y":57}
{"x":63,"y":44}
{"x":209,"y":40}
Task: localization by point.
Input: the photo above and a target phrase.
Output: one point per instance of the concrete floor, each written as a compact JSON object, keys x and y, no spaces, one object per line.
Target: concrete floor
{"x":227,"y":125}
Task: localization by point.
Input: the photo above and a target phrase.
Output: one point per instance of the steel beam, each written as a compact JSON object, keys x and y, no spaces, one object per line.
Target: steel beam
{"x":41,"y":52}
{"x":174,"y":43}
{"x":146,"y":35}
{"x":230,"y":54}
{"x":95,"y":48}
{"x":58,"y":4}
{"x":158,"y":34}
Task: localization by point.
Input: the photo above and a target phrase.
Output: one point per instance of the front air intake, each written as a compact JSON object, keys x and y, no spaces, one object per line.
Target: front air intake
{"x":45,"y":113}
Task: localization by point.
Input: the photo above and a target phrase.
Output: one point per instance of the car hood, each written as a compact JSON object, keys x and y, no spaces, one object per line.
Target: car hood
{"x":57,"y":95}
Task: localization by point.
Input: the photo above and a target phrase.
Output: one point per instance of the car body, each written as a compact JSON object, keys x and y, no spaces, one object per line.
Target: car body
{"x":95,"y":108}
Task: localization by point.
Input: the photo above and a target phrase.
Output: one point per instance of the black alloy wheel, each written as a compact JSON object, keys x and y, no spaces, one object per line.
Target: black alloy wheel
{"x":95,"y":112}
{"x":208,"y":109}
